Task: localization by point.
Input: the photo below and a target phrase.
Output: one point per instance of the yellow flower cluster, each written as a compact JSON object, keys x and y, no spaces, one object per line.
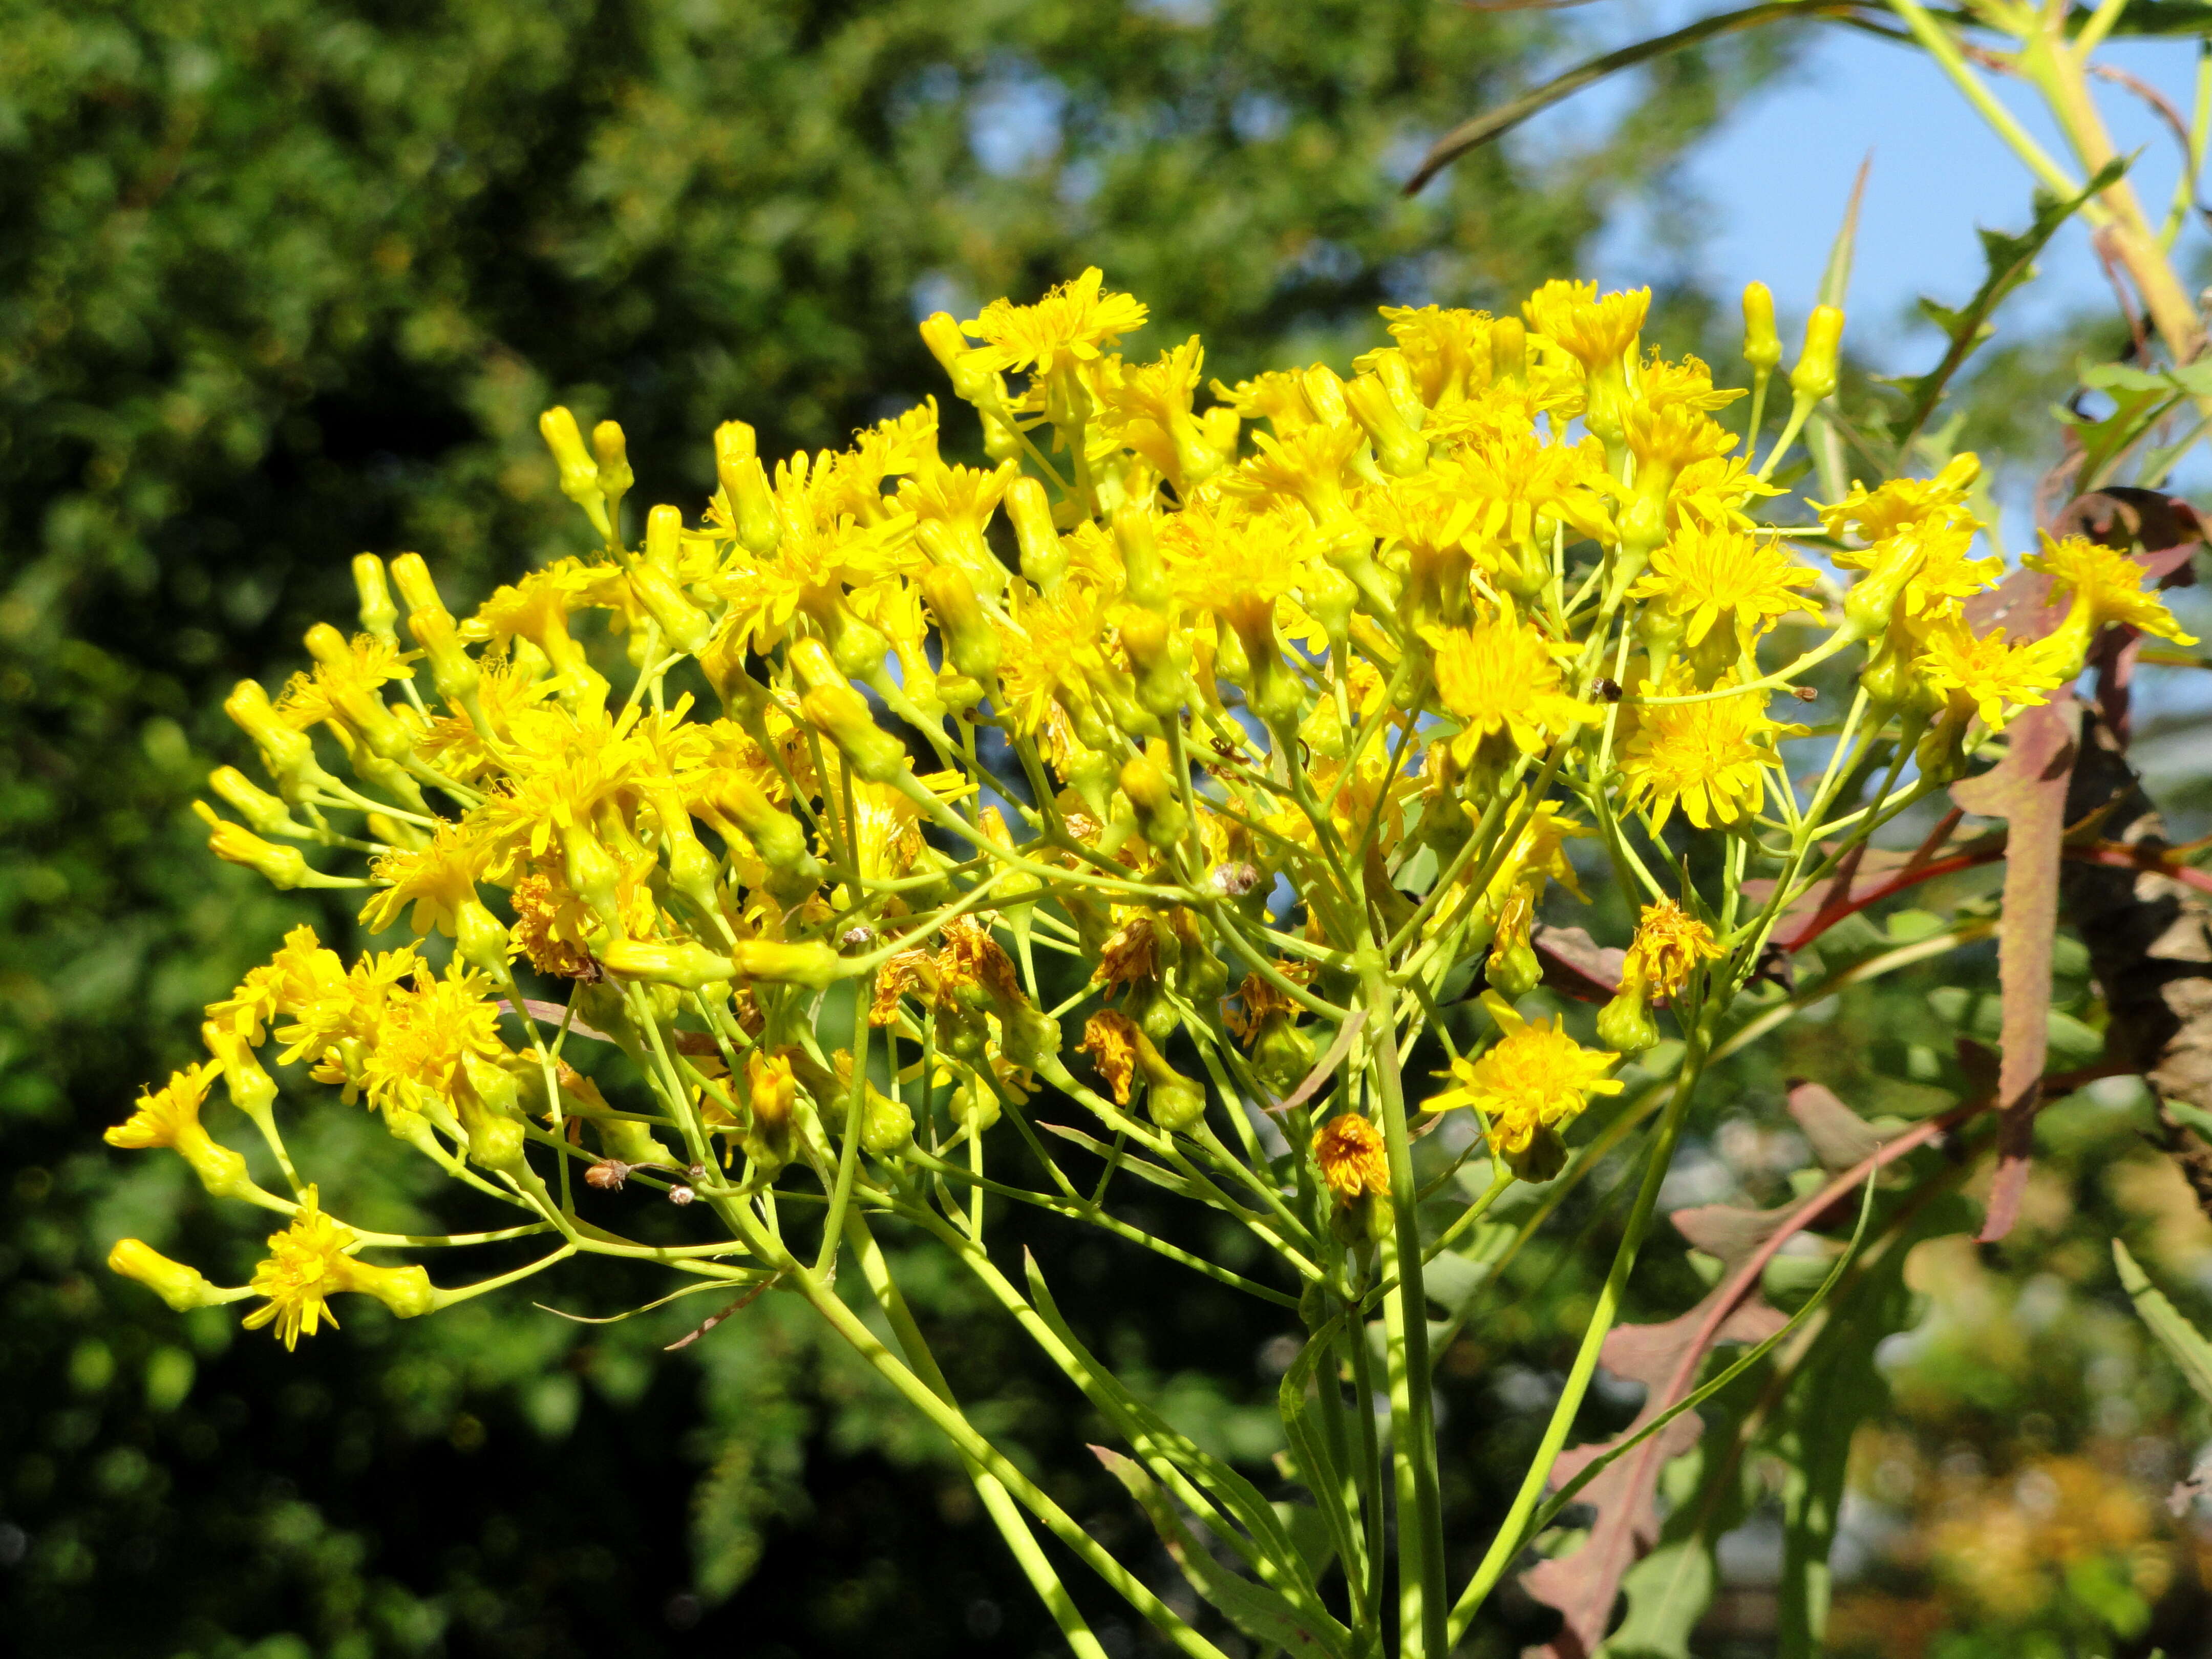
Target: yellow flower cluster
{"x":1312,"y":686}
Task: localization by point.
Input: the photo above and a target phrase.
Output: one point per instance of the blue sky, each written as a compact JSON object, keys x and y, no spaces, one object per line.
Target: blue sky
{"x":1776,"y":176}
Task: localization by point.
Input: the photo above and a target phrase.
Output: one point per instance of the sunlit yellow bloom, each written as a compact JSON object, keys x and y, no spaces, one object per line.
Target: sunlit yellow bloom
{"x":1668,"y":945}
{"x":1707,"y":757}
{"x":1947,"y":572}
{"x":1685,"y":384}
{"x":170,"y":1116}
{"x":1072,"y":324}
{"x":1502,"y":676}
{"x":1349,"y":1152}
{"x":438,"y":880}
{"x":1668,"y":437}
{"x":1880,"y":513}
{"x":310,"y":1261}
{"x":1595,"y":331}
{"x":1706,"y":573}
{"x":1533,"y":1077}
{"x":1996,"y":678}
{"x":2105,"y":585}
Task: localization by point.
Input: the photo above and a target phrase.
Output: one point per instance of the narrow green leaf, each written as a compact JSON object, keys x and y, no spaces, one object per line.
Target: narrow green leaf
{"x":2009,"y":261}
{"x":1836,"y":279}
{"x":1323,"y":1479}
{"x":2175,"y":1335}
{"x":1260,"y":1613}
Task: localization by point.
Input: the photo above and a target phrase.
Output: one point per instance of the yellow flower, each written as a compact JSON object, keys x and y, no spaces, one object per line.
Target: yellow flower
{"x":182,"y":1287}
{"x":1688,"y":384}
{"x":1499,"y":677}
{"x":1997,"y":679}
{"x":1668,"y":945}
{"x":1902,"y":503}
{"x":1534,"y":1078}
{"x":1072,"y":324}
{"x":550,"y":925}
{"x":1706,"y":757}
{"x":170,"y":1116}
{"x":2106,"y":586}
{"x":1704,"y":572}
{"x":1596,"y":332}
{"x":310,"y":1261}
{"x":1667,"y":437}
{"x":1348,"y":1151}
{"x":1946,"y":572}
{"x":439,"y":880}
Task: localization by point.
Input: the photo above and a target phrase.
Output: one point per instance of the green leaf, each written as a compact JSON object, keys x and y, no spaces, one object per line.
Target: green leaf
{"x":1269,"y":1549}
{"x":1330,"y":1485}
{"x":2175,"y":1335}
{"x":2009,"y":261}
{"x":1262,"y":1613}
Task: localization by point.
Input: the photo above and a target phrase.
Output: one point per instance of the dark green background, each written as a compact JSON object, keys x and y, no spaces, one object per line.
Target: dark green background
{"x":283,"y":280}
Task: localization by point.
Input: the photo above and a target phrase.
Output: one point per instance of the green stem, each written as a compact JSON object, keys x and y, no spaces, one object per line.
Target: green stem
{"x":1507,"y":1544}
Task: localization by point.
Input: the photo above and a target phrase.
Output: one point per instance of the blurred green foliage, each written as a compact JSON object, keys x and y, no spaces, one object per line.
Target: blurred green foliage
{"x":286,"y":279}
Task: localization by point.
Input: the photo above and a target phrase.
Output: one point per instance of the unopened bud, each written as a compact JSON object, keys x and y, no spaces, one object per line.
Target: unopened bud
{"x":1044,"y":558}
{"x":1762,"y":346}
{"x":1815,"y":377}
{"x":580,"y":473}
{"x":378,"y":614}
{"x":1399,"y":450}
{"x":615,"y":477}
{"x":1160,"y":816}
{"x":182,"y":1287}
{"x":843,"y":714}
{"x":1145,"y":578}
{"x":969,"y":639}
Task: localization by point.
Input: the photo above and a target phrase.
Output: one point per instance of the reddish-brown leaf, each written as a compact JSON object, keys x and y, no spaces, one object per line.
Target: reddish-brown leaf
{"x":1577,"y":965}
{"x":2027,"y":789}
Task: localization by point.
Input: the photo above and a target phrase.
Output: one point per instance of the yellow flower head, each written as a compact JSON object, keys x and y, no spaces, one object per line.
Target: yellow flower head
{"x":310,"y":1261}
{"x":1348,"y":1150}
{"x":549,"y":924}
{"x":1501,"y":676}
{"x":307,"y":1263}
{"x":169,"y":1115}
{"x":1707,"y":572}
{"x":1667,"y":437}
{"x":1535,"y":1077}
{"x":1946,"y":572}
{"x":438,"y":880}
{"x":1596,"y":332}
{"x":1904,"y":503}
{"x":1447,"y":350}
{"x":1668,"y":945}
{"x":1997,"y":679}
{"x":1072,"y":324}
{"x":1706,"y":757}
{"x":2106,"y":586}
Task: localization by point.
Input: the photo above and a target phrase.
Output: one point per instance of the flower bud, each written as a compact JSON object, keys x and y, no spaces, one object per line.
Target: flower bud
{"x":1872,"y":601}
{"x":1762,"y":346}
{"x":451,"y":669}
{"x":886,"y":1125}
{"x":685,"y":964}
{"x":182,"y":1287}
{"x":1815,"y":377}
{"x":615,"y":477}
{"x":1044,"y":558}
{"x":1145,"y":578}
{"x":775,"y":835}
{"x":1159,"y":655}
{"x":1399,"y":450}
{"x":969,"y":639}
{"x":265,"y":812}
{"x":580,"y":473}
{"x":1509,"y":350}
{"x":355,"y":702}
{"x":281,"y":867}
{"x":746,"y":486}
{"x":377,"y":612}
{"x":1160,"y":816}
{"x":843,"y":714}
{"x":813,"y":965}
{"x":683,"y":624}
{"x":1282,"y":1054}
{"x":288,"y":755}
{"x":1625,"y":1026}
{"x":970,"y":375}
